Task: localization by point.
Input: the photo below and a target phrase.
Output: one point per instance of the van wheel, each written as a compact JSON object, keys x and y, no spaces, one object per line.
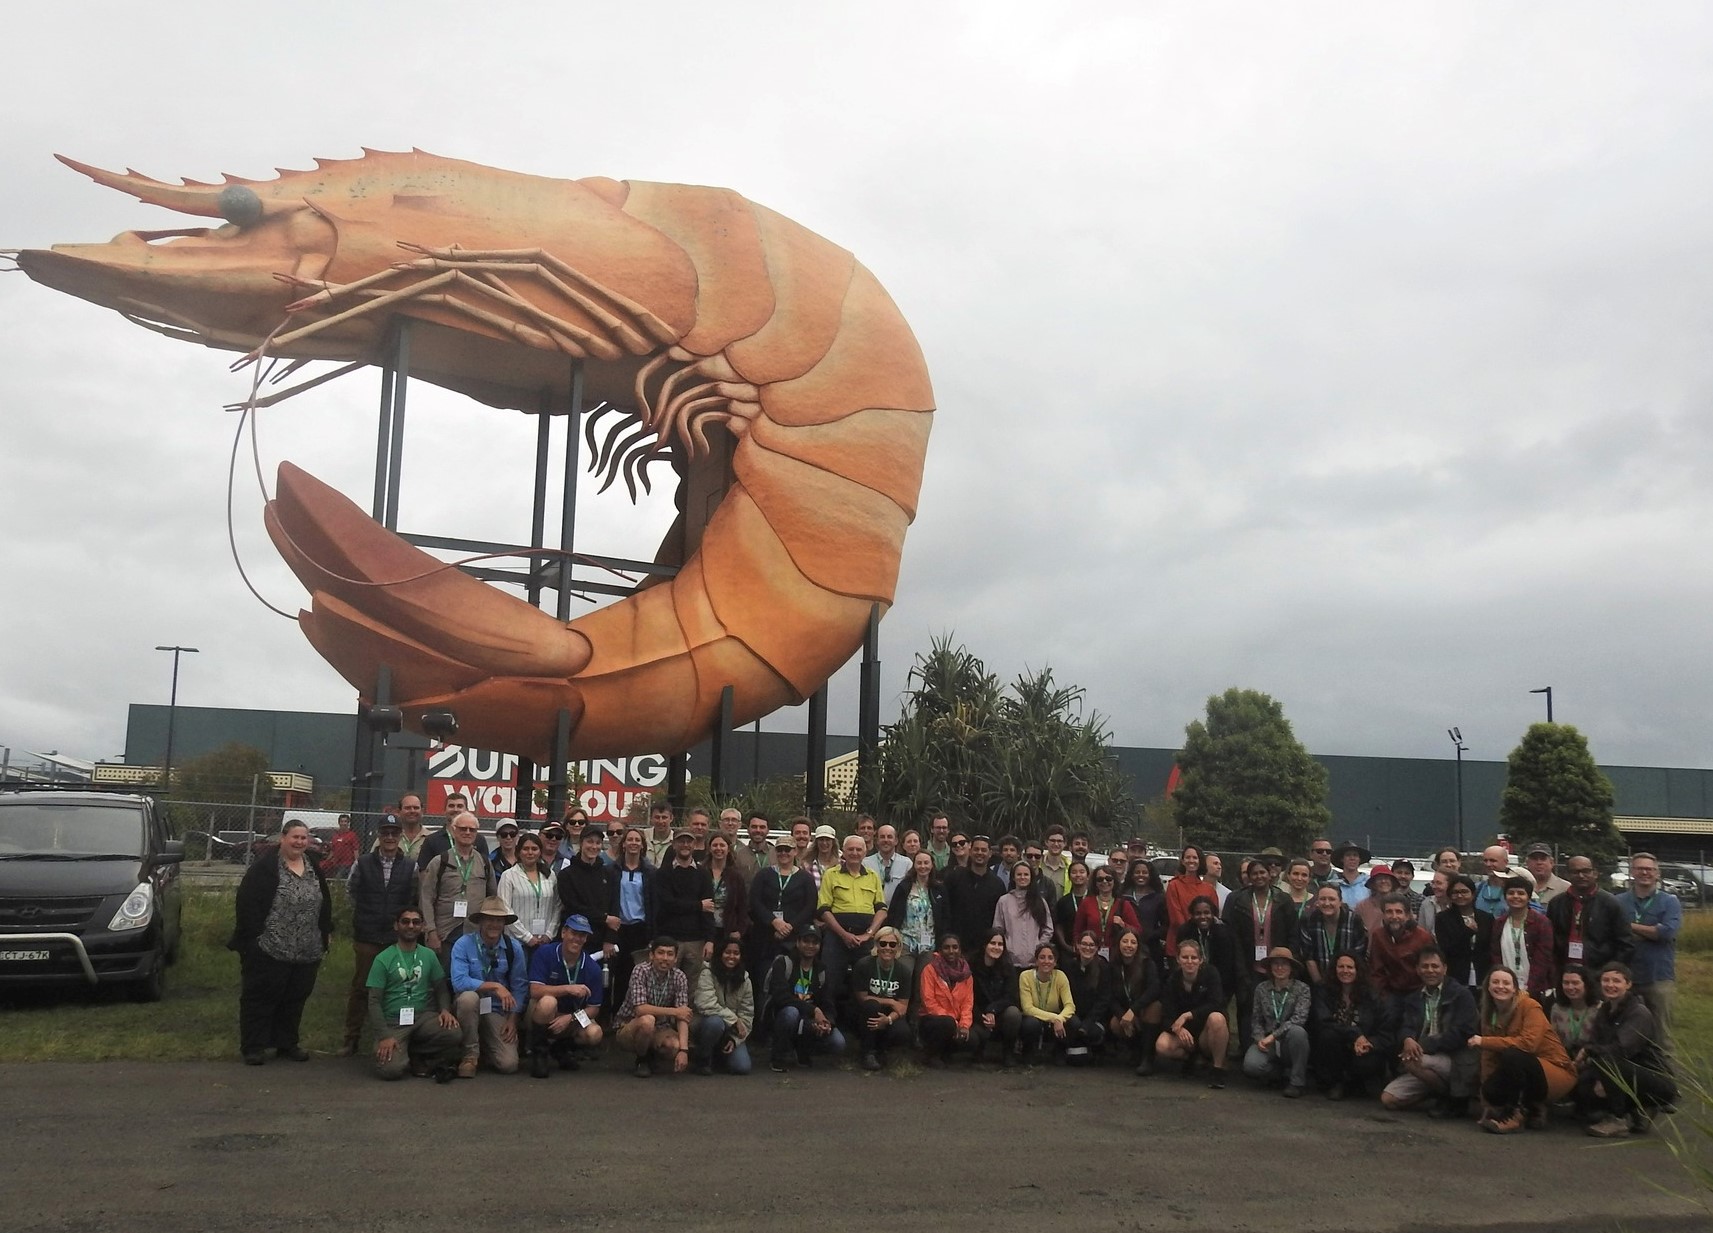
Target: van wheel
{"x":153,"y":987}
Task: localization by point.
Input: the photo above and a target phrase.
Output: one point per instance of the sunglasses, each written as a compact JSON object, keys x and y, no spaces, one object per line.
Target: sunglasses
{"x":886,"y":945}
{"x":960,"y":843}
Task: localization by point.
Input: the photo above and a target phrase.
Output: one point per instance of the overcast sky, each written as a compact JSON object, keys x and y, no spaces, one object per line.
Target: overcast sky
{"x":1357,"y":354}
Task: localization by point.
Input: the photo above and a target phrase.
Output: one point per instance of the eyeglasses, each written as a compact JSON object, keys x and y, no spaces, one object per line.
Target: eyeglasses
{"x":410,"y":920}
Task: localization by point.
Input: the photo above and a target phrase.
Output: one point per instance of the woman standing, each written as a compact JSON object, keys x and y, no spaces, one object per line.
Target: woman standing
{"x":1022,"y":916}
{"x":1192,"y":1015}
{"x":1522,"y":940}
{"x":1066,"y":907}
{"x":1350,"y":1047}
{"x":1465,"y":933}
{"x":731,"y":895}
{"x":1135,"y":1000}
{"x":1523,"y":1063}
{"x":1104,"y":913}
{"x":1147,"y":896}
{"x":1049,"y":1012}
{"x":724,"y":1006}
{"x":997,"y":1014}
{"x":1184,"y":889}
{"x":824,"y":855}
{"x":918,"y":909}
{"x":633,"y":898}
{"x":1623,"y":1070}
{"x":529,"y":896}
{"x":910,"y":844}
{"x":504,"y":857}
{"x":284,"y":922}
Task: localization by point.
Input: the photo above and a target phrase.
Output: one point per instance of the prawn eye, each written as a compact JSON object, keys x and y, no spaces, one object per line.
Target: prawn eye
{"x":239,"y":204}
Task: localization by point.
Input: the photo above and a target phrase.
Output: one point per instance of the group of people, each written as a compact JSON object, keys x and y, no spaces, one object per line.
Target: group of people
{"x":687,"y":944}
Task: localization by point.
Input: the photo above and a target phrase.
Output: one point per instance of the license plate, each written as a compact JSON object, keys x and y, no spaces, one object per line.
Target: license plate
{"x":23,"y":956}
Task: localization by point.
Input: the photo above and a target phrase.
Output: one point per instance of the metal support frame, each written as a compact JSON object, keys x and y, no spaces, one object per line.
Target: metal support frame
{"x":677,"y":775}
{"x":721,"y":745}
{"x":868,"y":710}
{"x":815,"y":760}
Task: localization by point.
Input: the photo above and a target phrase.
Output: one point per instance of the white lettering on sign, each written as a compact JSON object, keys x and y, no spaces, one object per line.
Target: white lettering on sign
{"x":488,"y":779}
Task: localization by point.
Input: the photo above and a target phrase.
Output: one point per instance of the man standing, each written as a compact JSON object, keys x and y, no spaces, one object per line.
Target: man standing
{"x":441,"y":840}
{"x":585,"y":889}
{"x":864,"y":830}
{"x":1249,"y":915}
{"x":755,"y":854}
{"x":699,"y":821}
{"x":341,"y":849}
{"x":1490,"y":894}
{"x":410,"y":1004}
{"x":939,"y":839}
{"x":972,"y":894}
{"x":1589,"y":925}
{"x":1438,"y":1020}
{"x":452,"y":884}
{"x":566,"y":991}
{"x":1321,"y":872}
{"x":1393,"y":949}
{"x":411,"y":836}
{"x":654,"y":1020}
{"x":1655,"y":918}
{"x":659,"y":834}
{"x":803,"y":838}
{"x":490,"y":985}
{"x":382,"y":882}
{"x":1010,"y":852}
{"x":1349,"y":856}
{"x":1541,"y":864}
{"x":888,"y":863}
{"x":684,"y":904}
{"x":1080,"y":846}
{"x":1056,"y":862}
{"x":851,"y":907}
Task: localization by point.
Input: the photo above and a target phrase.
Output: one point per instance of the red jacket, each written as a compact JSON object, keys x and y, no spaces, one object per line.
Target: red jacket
{"x":1537,"y":945}
{"x":1392,"y":965}
{"x":1122,"y":916}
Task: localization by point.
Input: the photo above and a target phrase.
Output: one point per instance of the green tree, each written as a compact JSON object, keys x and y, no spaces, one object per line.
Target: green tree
{"x":1012,"y":758}
{"x":1555,"y":794}
{"x":222,"y":776}
{"x":1246,"y":781}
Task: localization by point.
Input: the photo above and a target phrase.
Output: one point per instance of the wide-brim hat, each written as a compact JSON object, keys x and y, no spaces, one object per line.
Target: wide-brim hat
{"x":1284,"y":952}
{"x":1382,"y":871}
{"x":1350,"y":845}
{"x":494,"y":908}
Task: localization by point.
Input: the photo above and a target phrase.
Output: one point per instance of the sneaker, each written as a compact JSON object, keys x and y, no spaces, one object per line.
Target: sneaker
{"x":538,"y":1065}
{"x":1292,"y":1091}
{"x":870,"y":1062}
{"x":777,"y":1065}
{"x":293,"y":1054}
{"x":467,"y":1068}
{"x":1506,"y":1123}
{"x":1216,"y":1080}
{"x":255,"y":1058}
{"x":643,"y":1069}
{"x":445,"y":1074}
{"x":1609,"y":1127}
{"x":348,"y":1049}
{"x":419,"y":1068}
{"x":1639,"y":1124}
{"x":703,"y":1068}
{"x":566,"y":1056}
{"x":805,"y":1057}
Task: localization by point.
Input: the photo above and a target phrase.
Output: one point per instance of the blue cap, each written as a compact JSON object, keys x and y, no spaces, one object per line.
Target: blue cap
{"x":577,"y":924}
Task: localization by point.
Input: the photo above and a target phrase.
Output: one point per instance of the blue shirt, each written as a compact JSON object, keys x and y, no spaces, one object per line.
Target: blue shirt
{"x":1352,"y":894}
{"x":630,"y":894}
{"x":474,"y":964}
{"x":547,"y":967}
{"x":1653,"y":961}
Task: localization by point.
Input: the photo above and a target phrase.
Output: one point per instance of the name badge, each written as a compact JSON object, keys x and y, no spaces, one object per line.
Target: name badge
{"x":1472,"y":981}
{"x":779,"y":916}
{"x":407,"y":1016}
{"x":485,"y":1006}
{"x":538,"y":927}
{"x":1260,"y":954}
{"x":1105,"y":952}
{"x":582,"y":1018}
{"x":1576,"y":950}
{"x":460,"y":909}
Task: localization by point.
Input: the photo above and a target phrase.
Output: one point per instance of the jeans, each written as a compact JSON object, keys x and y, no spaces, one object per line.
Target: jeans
{"x":705,"y":1040}
{"x":1034,"y":1032}
{"x":837,"y":958}
{"x":270,"y":1000}
{"x":791,"y":1031}
{"x":1517,"y":1079}
{"x":1290,"y":1053}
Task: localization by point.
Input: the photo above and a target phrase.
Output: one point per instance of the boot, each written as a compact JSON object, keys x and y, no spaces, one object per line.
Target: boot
{"x":538,"y":1068}
{"x":1145,"y":1057}
{"x":1506,"y":1122}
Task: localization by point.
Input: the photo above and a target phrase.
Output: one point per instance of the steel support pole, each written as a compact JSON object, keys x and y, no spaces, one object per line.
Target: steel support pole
{"x":383,"y":438}
{"x":677,"y":776}
{"x":755,"y":757}
{"x":562,"y":605}
{"x":556,"y":777}
{"x":523,"y":787}
{"x":1460,"y":799}
{"x":395,"y":453}
{"x":868,"y":709}
{"x":721,"y":746}
{"x":815,"y":755}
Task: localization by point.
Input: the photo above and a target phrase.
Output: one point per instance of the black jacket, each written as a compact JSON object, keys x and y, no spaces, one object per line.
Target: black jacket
{"x":678,"y":894}
{"x":1091,"y":989}
{"x":1141,"y":993}
{"x":1203,"y":998}
{"x":586,"y":890}
{"x":780,"y":987}
{"x":1458,"y":1019}
{"x":937,"y":908}
{"x":1626,"y":1031}
{"x":1605,"y":930}
{"x":995,"y":987}
{"x":1372,"y":1017}
{"x":1219,"y":953}
{"x":255,"y":899}
{"x":1465,"y":950}
{"x":795,"y":898}
{"x":970,"y":901}
{"x":376,"y":900}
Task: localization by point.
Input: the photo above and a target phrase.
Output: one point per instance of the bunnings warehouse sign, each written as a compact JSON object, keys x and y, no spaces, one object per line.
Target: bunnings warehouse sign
{"x":609,"y":785}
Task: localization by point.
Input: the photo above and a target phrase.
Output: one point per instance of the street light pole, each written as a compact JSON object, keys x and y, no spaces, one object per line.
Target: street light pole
{"x":1547,"y":690}
{"x":1456,"y":735}
{"x":172,"y":713}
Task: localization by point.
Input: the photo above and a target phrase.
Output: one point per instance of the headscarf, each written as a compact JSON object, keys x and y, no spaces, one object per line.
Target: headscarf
{"x":947,"y":970}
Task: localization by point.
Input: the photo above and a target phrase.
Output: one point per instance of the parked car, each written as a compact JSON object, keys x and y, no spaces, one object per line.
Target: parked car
{"x":89,"y":890}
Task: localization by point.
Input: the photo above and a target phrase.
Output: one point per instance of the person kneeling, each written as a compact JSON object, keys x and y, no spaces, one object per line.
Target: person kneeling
{"x":1192,"y":1012}
{"x":948,"y":1004}
{"x":1278,"y":1012}
{"x":406,"y":983}
{"x":654,"y":1021}
{"x":879,"y":998}
{"x":566,"y":989}
{"x":800,"y":1004}
{"x":1049,"y":1011}
{"x":724,"y":1003}
{"x":490,"y":982}
{"x":1435,"y":1026}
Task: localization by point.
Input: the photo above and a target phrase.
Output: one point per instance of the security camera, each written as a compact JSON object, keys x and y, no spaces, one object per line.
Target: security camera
{"x":384,"y":718}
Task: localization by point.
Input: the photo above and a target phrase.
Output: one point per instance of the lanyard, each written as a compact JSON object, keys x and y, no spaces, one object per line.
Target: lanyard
{"x":1518,"y":954}
{"x":1642,"y":905}
{"x":1280,"y":998}
{"x":566,"y":968}
{"x":464,"y":868}
{"x":1430,"y":1013}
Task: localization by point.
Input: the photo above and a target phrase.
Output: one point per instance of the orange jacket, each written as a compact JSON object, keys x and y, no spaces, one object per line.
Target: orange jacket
{"x":956,"y":1003}
{"x":1180,"y":893}
{"x":1530,"y":1030}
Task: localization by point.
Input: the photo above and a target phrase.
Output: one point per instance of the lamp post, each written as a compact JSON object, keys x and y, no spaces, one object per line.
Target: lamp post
{"x":1547,"y":690}
{"x":172,"y":713}
{"x":1456,"y":735}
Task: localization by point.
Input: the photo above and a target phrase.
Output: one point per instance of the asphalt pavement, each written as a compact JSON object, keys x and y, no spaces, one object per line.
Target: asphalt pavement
{"x":186,"y":1148}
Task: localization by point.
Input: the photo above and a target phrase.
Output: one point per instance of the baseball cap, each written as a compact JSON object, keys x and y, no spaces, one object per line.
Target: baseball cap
{"x":1539,"y":849}
{"x":577,"y":923}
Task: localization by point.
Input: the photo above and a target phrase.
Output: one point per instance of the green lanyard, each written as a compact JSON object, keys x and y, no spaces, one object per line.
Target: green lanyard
{"x":1280,"y":998}
{"x":464,"y":868}
{"x":1430,"y":1013}
{"x":1642,"y":905}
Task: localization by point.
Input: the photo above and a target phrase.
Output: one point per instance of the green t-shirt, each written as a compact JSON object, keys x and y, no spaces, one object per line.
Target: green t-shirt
{"x":405,"y":980}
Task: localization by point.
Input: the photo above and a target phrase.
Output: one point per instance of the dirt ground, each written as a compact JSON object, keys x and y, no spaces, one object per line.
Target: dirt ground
{"x":136,"y":1148}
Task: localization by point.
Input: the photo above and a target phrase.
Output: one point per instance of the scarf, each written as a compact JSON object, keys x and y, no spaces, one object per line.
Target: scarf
{"x":948,"y":971}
